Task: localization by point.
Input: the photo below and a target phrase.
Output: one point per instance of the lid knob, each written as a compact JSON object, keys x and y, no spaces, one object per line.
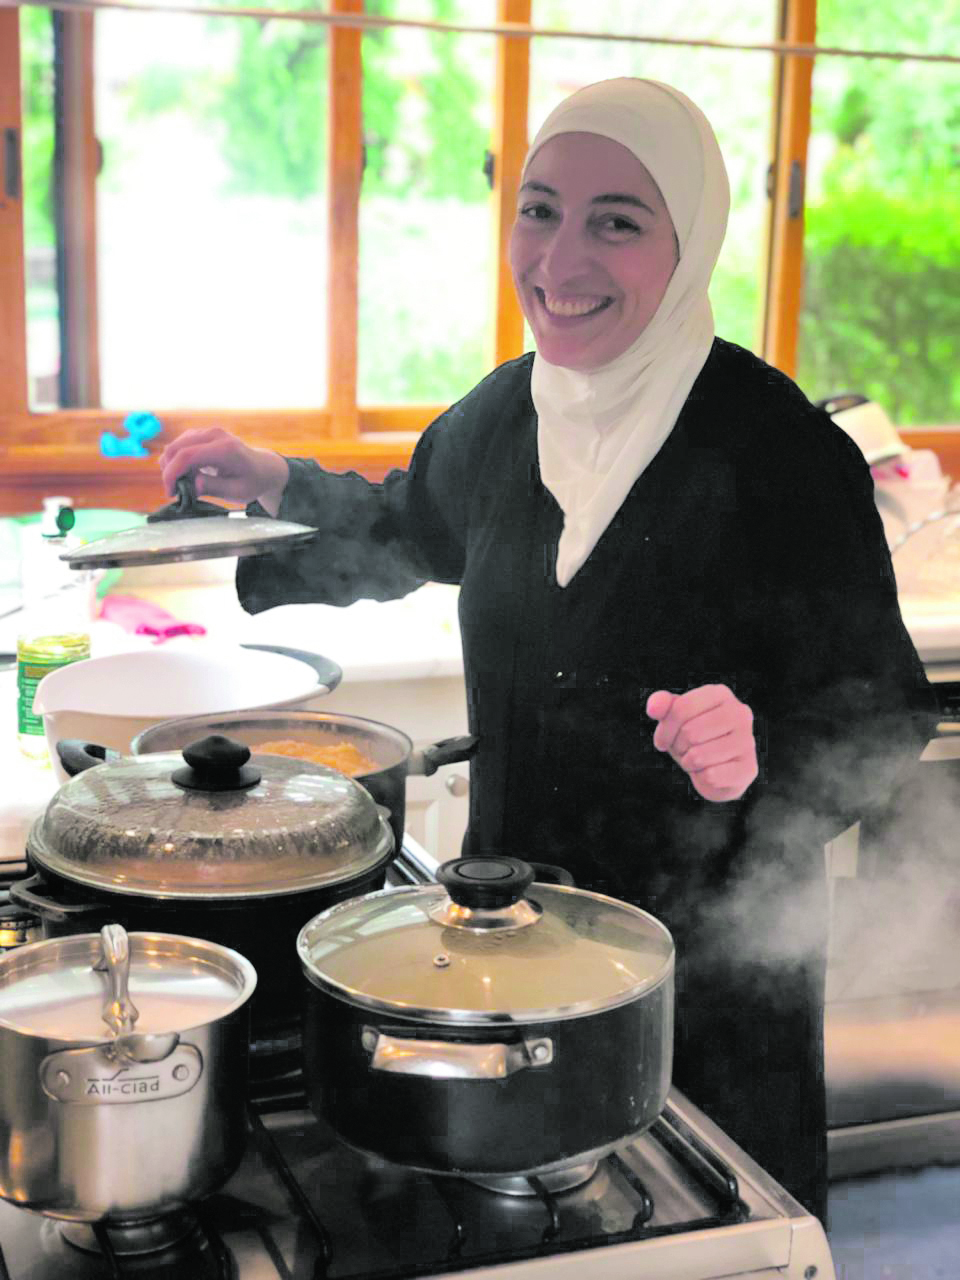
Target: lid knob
{"x":486,"y":883}
{"x":186,"y":505}
{"x":216,"y":763}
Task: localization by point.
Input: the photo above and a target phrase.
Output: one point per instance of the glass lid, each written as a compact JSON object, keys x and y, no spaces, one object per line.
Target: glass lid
{"x":188,"y":529}
{"x":210,"y":822}
{"x":486,"y":945}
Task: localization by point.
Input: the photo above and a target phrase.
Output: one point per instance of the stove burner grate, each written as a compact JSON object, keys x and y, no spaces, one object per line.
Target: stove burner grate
{"x":561,"y":1230}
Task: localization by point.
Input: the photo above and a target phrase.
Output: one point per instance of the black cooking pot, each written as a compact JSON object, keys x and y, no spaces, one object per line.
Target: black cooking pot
{"x":390,"y":749}
{"x":488,"y":1026}
{"x":209,"y":844}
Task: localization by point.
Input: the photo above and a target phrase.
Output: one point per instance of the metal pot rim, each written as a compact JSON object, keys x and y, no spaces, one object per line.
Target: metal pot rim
{"x":21,"y":957}
{"x":383,"y":852}
{"x":452,"y":1017}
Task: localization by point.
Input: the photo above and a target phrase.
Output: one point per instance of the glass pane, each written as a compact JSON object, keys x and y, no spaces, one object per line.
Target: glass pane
{"x":211,"y":211}
{"x":733,"y":90}
{"x":40,"y":238}
{"x":881,"y":306}
{"x":426,"y":254}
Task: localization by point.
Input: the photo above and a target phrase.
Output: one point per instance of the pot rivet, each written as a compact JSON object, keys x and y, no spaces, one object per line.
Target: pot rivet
{"x":368,"y":1039}
{"x":540,"y":1052}
{"x":181,"y":1072}
{"x":63,"y":1079}
{"x":442,"y":961}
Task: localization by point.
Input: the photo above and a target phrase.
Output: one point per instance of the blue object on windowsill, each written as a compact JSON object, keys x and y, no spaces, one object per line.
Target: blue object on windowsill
{"x":139,"y":427}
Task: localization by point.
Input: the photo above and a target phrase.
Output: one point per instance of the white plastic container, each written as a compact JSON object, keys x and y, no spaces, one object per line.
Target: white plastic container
{"x":109,"y":700}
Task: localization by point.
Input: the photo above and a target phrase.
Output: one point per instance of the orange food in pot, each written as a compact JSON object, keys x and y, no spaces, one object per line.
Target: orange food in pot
{"x":344,"y":756}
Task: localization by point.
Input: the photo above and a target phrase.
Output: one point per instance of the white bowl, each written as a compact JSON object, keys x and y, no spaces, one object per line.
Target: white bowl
{"x":109,"y":700}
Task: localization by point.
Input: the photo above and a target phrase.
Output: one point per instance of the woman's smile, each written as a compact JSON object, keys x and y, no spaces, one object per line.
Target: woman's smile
{"x":571,"y":306}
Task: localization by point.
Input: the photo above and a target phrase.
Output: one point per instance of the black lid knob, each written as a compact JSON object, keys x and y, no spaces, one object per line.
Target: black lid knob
{"x":216,"y":763}
{"x":486,"y":882}
{"x":186,"y":505}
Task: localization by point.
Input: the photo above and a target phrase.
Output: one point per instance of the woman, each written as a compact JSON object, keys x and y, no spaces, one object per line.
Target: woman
{"x":684,"y":658}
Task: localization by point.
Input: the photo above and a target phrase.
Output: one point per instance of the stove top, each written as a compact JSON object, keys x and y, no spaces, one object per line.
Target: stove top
{"x":679,"y":1201}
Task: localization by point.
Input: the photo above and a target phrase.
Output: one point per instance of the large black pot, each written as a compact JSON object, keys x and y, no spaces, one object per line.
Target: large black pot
{"x":465,"y":1028}
{"x":390,"y":748}
{"x":238,"y":854}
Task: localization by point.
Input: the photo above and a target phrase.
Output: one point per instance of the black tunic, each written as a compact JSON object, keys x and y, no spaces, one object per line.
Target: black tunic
{"x":749,"y":553}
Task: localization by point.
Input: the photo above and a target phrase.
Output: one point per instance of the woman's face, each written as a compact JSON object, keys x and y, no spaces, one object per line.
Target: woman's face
{"x":592,"y":250}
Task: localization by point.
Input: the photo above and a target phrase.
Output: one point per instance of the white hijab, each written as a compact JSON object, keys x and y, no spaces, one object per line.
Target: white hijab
{"x":598,"y":430}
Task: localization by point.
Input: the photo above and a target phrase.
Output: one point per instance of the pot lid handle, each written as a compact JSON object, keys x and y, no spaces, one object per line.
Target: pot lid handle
{"x":216,"y":763}
{"x":486,"y":883}
{"x":186,"y":505}
{"x":119,"y":1012}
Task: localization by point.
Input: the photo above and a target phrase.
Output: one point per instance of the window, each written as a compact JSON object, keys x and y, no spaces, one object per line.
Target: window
{"x":881,"y":304}
{"x":298,"y":231}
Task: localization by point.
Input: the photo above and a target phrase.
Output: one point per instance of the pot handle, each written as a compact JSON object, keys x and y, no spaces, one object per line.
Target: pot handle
{"x":425,"y":762}
{"x":22,"y":893}
{"x":329,"y":674}
{"x":77,"y":756}
{"x":453,"y":1060}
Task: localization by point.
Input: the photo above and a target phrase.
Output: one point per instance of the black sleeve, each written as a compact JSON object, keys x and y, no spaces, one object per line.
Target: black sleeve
{"x":847,"y":707}
{"x":381,"y":541}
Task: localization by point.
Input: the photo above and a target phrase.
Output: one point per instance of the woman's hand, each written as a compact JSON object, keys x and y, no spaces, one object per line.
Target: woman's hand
{"x":225,"y":467}
{"x":708,"y":731}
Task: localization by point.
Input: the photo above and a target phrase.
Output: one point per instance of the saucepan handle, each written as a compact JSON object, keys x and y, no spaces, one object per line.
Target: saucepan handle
{"x":23,"y":894}
{"x":76,"y":756}
{"x":453,"y":1060}
{"x":425,"y":762}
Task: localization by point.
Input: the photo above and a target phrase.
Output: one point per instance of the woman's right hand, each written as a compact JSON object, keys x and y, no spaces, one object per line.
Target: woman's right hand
{"x":225,"y":467}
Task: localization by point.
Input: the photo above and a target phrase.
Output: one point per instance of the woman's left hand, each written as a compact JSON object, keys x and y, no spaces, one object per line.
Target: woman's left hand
{"x":708,"y":731}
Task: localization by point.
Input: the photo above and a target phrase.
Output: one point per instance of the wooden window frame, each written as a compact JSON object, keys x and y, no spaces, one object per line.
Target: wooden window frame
{"x":58,"y":451}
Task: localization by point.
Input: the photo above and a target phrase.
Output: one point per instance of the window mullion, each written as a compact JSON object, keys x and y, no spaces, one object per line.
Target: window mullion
{"x":508,"y":148}
{"x":13,"y":320}
{"x":784,"y":293}
{"x":76,"y":163}
{"x":344,"y":178}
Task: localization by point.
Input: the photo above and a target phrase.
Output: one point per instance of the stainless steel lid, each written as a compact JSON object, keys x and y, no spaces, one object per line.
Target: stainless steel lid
{"x":92,"y":988}
{"x":486,"y":946}
{"x":188,"y":529}
{"x":211,"y":822}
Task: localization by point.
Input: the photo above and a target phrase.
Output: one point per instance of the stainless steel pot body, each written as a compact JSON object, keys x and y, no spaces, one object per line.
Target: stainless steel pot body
{"x":491,"y":1101}
{"x":87,"y":1137}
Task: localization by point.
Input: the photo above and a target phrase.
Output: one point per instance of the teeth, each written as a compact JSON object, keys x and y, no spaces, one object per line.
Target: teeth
{"x":571,"y":306}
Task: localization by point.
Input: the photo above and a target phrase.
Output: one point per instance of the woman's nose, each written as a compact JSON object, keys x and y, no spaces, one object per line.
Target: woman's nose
{"x":565,"y":255}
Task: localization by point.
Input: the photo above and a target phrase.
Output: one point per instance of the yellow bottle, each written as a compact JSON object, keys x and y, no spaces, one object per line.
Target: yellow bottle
{"x":56,"y":628}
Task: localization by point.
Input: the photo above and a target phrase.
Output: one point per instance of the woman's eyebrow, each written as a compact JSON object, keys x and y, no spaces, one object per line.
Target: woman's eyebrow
{"x":609,"y":197}
{"x":617,"y":197}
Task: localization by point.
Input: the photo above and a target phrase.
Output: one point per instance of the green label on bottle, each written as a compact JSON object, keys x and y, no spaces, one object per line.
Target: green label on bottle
{"x":30,"y":671}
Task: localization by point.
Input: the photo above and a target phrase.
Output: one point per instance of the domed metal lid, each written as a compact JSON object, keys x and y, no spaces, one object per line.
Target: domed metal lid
{"x":212,"y":822}
{"x":184,"y":530}
{"x":486,"y":946}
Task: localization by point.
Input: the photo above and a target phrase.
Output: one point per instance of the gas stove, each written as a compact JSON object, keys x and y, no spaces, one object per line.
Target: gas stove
{"x":679,"y":1202}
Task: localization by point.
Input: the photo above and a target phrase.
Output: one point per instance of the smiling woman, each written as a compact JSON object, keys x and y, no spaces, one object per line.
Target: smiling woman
{"x":592,"y":250}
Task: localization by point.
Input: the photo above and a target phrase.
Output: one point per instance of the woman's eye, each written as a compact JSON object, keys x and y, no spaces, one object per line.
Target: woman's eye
{"x":536,"y":212}
{"x":619,"y":225}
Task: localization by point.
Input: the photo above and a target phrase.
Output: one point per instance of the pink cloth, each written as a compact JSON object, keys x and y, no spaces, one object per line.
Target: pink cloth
{"x":145,"y":619}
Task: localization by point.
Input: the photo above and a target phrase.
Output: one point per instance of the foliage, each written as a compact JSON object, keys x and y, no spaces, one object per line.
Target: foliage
{"x":38,"y":133}
{"x":882,"y":308}
{"x":272,"y":107}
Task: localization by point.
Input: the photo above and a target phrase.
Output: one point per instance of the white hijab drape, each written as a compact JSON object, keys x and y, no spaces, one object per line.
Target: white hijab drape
{"x":598,"y":430}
